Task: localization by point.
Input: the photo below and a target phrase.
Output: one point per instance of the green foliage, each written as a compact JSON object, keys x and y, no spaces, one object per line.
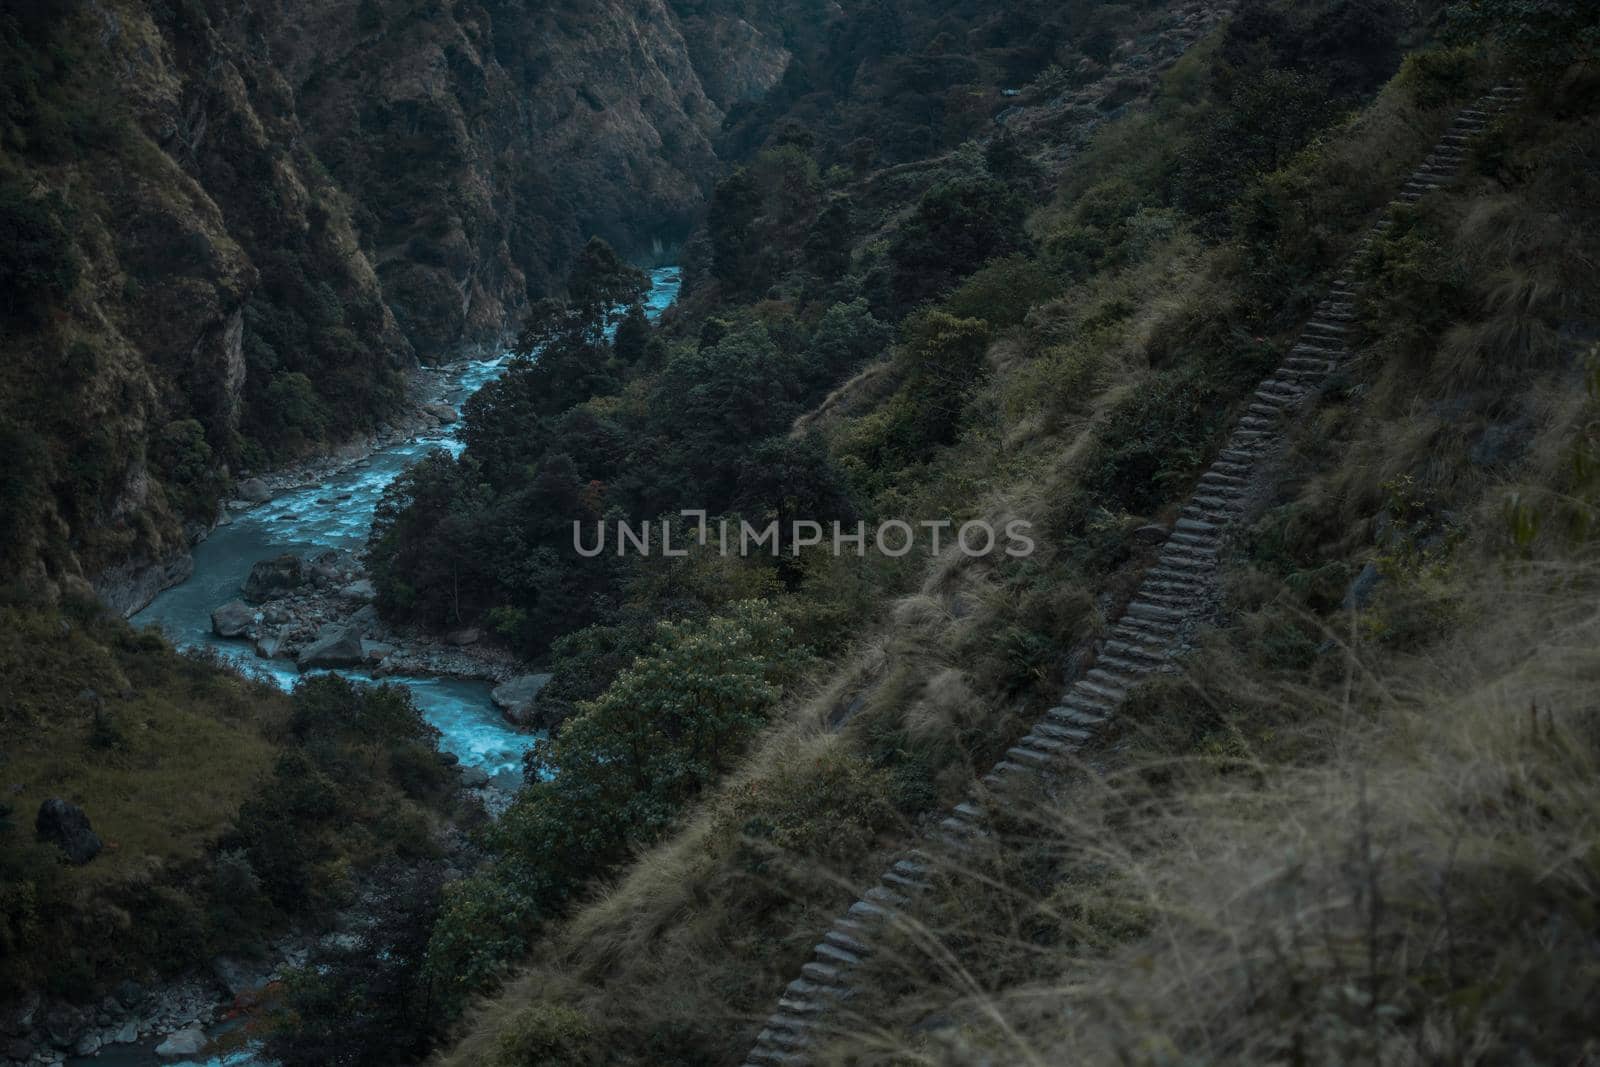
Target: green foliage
{"x":940,"y":360}
{"x":1536,"y":34}
{"x":184,"y":460}
{"x":1438,"y":76}
{"x":485,"y":922}
{"x":365,"y":998}
{"x":820,"y":810}
{"x":24,"y":487}
{"x":1416,"y":285}
{"x":546,"y":1035}
{"x":958,"y":226}
{"x":39,"y":266}
{"x":665,"y":727}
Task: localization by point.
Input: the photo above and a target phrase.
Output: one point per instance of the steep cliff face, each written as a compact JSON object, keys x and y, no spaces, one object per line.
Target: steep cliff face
{"x":234,"y":228}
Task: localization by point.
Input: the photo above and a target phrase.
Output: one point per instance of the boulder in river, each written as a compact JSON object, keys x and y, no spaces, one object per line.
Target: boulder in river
{"x":67,"y":827}
{"x":255,"y":491}
{"x":516,"y":697}
{"x":270,"y":577}
{"x":376,"y":651}
{"x":441,"y":411}
{"x":272,"y":644}
{"x":474,"y":777}
{"x":183,"y":1044}
{"x":233,"y":619}
{"x":339,"y":647}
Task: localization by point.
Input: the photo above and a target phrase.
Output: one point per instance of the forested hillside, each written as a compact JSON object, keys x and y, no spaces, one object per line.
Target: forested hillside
{"x":229,"y":233}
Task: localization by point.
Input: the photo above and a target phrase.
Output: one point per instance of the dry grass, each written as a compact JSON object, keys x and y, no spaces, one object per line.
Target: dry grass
{"x":184,"y":743}
{"x":1423,"y":894}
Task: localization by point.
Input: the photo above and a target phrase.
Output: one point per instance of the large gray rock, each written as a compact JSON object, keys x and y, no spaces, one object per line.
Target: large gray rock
{"x":359,"y":591}
{"x":516,"y":697}
{"x":274,"y":643}
{"x":376,"y":651}
{"x":255,"y":491}
{"x":474,"y":777}
{"x":340,"y":647}
{"x":441,"y":411}
{"x":273,"y":577}
{"x":233,"y":619}
{"x":67,"y":827}
{"x":182,"y":1044}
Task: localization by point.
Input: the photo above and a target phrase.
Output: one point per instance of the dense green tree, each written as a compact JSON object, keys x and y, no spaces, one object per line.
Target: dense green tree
{"x":38,"y":265}
{"x":665,"y":728}
{"x":425,"y":551}
{"x":957,"y":227}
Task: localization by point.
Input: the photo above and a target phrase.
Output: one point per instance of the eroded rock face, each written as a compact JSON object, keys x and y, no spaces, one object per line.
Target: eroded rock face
{"x":67,"y":827}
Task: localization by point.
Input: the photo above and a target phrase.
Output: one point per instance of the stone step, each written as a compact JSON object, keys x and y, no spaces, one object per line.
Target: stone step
{"x":1130,"y":652}
{"x":1122,"y":663}
{"x":832,"y":954}
{"x":1230,"y":468}
{"x":1198,"y":541}
{"x":1196,"y":526}
{"x":1187,"y":574}
{"x":999,"y":777}
{"x":867,"y":911}
{"x":1066,"y":713}
{"x":823,"y":974}
{"x":1068,"y":735}
{"x":912,"y":868}
{"x":782,"y":1020}
{"x":900,"y":881}
{"x":1334,"y":328}
{"x":1031,"y":757}
{"x":1257,"y":422}
{"x":784,"y":1039}
{"x":761,"y":1056}
{"x":848,"y":943}
{"x":1325,"y":347}
{"x":1165,"y":629}
{"x":1222,"y":478}
{"x":1186,"y":581}
{"x":1054,"y":747}
{"x":806,"y":989}
{"x":1105,"y":692}
{"x":1109,"y":679}
{"x":1218,"y":504}
{"x":885,"y":897}
{"x":800,"y":1006}
{"x":1144,"y":609}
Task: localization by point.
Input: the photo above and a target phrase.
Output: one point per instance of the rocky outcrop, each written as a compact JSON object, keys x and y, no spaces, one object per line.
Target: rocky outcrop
{"x":129,"y":586}
{"x":67,"y":827}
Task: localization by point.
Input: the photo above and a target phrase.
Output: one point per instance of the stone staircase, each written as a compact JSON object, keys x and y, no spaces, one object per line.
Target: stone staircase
{"x":1177,"y":595}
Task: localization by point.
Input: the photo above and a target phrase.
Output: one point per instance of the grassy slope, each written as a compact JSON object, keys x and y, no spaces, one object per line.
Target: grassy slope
{"x":692,"y":944}
{"x":158,"y":749}
{"x":1343,"y":837}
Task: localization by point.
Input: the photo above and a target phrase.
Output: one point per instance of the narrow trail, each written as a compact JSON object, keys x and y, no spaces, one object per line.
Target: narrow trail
{"x":1176,"y":596}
